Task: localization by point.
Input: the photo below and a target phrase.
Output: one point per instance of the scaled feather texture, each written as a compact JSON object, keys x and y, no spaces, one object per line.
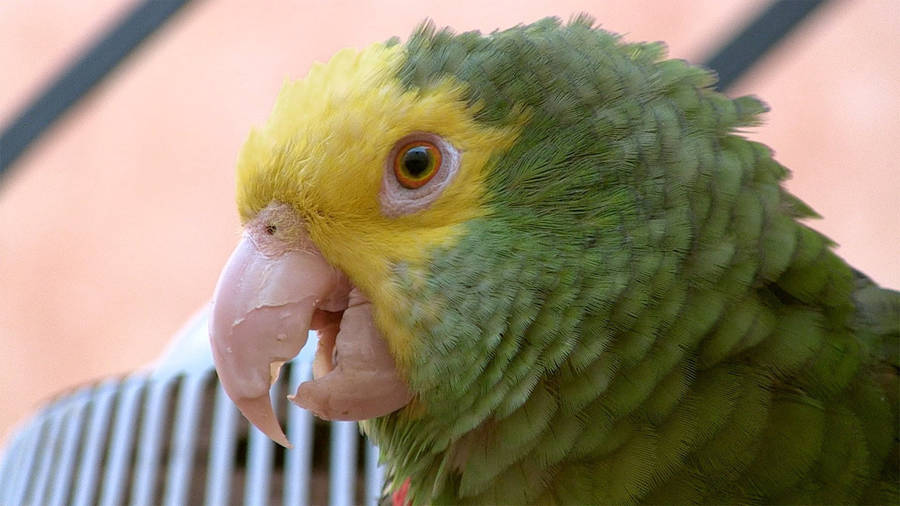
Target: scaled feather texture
{"x":613,"y":301}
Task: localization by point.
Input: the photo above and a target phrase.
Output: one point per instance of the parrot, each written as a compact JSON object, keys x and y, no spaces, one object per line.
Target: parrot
{"x":546,"y":266}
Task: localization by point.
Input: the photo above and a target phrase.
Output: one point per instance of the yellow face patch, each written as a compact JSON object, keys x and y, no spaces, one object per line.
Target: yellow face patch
{"x":323,"y":151}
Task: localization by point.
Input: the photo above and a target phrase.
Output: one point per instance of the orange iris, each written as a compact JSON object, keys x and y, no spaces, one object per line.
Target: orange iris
{"x":416,"y":163}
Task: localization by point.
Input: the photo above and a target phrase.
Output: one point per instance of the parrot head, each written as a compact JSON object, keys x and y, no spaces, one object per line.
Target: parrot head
{"x":452,"y":215}
{"x":345,"y":194}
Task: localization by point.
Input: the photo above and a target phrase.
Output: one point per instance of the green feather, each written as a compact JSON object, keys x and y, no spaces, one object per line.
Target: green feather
{"x":639,"y":316}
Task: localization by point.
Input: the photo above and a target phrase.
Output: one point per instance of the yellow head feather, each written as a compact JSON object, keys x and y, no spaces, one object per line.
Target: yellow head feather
{"x":323,"y":151}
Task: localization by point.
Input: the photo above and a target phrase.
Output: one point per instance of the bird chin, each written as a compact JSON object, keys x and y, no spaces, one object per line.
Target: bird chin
{"x":269,"y":296}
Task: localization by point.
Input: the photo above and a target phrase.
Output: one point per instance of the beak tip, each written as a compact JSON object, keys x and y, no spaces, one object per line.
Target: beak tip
{"x":284,"y":442}
{"x":258,"y":411}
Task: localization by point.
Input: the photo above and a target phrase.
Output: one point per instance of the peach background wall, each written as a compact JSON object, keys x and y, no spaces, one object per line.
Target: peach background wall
{"x":114,"y":227}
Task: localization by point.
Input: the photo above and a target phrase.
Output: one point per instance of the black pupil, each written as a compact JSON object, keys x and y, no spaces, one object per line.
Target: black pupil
{"x":416,"y":161}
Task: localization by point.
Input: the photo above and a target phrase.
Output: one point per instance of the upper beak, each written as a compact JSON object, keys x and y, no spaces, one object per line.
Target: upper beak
{"x":266,"y":301}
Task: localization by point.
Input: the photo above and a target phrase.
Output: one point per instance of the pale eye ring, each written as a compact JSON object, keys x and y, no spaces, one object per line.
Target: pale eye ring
{"x":416,"y":171}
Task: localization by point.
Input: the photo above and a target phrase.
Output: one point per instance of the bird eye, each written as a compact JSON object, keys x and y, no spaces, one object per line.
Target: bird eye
{"x":417,"y":163}
{"x":416,"y":171}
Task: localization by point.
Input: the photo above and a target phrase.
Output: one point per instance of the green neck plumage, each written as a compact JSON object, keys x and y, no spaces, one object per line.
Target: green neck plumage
{"x":564,"y":206}
{"x":632,"y":241}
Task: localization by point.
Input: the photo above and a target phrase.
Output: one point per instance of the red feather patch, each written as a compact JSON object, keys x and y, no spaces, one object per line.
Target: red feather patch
{"x":398,"y":498}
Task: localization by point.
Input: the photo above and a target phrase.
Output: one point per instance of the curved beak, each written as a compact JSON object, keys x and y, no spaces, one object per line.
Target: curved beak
{"x":266,"y":301}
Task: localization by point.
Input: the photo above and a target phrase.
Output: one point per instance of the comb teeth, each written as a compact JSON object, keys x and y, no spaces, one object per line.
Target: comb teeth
{"x":173,"y":437}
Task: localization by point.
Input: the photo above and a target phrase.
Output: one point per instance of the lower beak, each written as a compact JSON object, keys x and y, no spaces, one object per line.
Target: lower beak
{"x":263,"y":308}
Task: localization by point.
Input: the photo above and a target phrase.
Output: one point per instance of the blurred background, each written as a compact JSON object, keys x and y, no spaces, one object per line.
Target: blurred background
{"x":115,"y":224}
